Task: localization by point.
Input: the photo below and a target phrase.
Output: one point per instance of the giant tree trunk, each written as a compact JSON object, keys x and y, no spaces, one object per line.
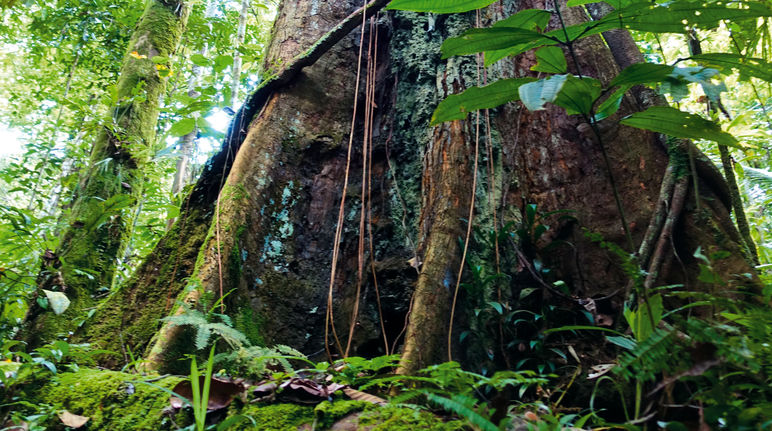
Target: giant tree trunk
{"x":85,"y":260}
{"x":268,"y":234}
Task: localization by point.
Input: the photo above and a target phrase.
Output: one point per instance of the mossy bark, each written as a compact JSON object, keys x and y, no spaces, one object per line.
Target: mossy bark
{"x":84,"y":261}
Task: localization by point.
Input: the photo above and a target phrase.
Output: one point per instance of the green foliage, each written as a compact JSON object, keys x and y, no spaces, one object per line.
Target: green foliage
{"x":727,"y":62}
{"x":550,"y":59}
{"x":465,"y":407}
{"x":200,"y":401}
{"x":457,"y":391}
{"x":445,"y":6}
{"x":205,"y":327}
{"x":670,"y":121}
{"x":536,"y":94}
{"x":255,"y":362}
{"x":457,"y":106}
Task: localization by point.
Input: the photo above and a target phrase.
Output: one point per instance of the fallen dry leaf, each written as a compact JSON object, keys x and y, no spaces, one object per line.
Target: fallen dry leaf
{"x":72,"y":420}
{"x":307,"y":391}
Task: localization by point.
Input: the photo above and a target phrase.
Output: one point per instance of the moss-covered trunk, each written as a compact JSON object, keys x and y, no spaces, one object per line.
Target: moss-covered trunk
{"x":269,"y":234}
{"x":84,"y":262}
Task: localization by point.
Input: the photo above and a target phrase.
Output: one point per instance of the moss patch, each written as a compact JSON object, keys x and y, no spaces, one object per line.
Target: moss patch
{"x":276,"y":417}
{"x":399,"y":418}
{"x":110,"y":399}
{"x":328,"y":412}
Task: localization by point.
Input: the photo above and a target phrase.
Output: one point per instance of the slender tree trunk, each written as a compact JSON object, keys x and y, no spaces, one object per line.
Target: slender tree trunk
{"x":188,"y":143}
{"x":240,"y":35}
{"x":85,"y":259}
{"x":261,"y":222}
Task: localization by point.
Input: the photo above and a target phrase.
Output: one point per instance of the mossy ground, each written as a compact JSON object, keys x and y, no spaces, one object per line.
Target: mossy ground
{"x":112,"y":400}
{"x":118,"y":401}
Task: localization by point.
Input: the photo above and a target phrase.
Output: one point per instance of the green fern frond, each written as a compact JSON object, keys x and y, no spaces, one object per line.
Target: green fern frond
{"x":231,"y":336}
{"x":649,"y":357}
{"x":189,"y":317}
{"x":202,"y":337}
{"x":759,"y":177}
{"x":464,"y":407}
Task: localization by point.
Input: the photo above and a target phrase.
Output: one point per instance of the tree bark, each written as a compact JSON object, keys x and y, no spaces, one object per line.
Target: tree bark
{"x":84,"y":262}
{"x":267,"y":235}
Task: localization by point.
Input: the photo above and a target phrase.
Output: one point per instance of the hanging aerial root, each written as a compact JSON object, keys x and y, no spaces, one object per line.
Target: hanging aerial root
{"x":329,"y":313}
{"x":676,"y":207}
{"x":659,"y":216}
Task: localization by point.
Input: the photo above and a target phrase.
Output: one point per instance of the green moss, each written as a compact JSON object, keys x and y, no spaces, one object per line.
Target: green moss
{"x":400,"y":418}
{"x":236,"y":194}
{"x":327,"y":413}
{"x":134,"y":311}
{"x":110,"y":399}
{"x":249,"y":323}
{"x":276,"y":417}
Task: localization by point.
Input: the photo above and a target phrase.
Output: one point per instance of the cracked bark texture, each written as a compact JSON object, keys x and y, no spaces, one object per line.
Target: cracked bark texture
{"x":270,"y":237}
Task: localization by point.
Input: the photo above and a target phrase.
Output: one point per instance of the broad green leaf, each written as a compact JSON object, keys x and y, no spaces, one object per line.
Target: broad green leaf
{"x":574,"y":3}
{"x":622,"y":341}
{"x":441,"y":6}
{"x":199,"y":60}
{"x":639,"y":320}
{"x":490,"y":39}
{"x":550,"y":59}
{"x":677,"y":83}
{"x":611,"y":104}
{"x":58,"y":301}
{"x":535,"y":94}
{"x":694,"y":74}
{"x":457,"y":106}
{"x":529,"y":19}
{"x":183,"y":127}
{"x":641,"y":73}
{"x":677,"y":88}
{"x":578,"y":31}
{"x":221,"y":62}
{"x":671,"y":121}
{"x":713,"y":91}
{"x":681,"y":15}
{"x":747,"y":67}
{"x":578,"y":95}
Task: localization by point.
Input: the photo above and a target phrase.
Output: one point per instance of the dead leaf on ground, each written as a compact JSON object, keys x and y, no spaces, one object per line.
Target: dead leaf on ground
{"x":599,"y":370}
{"x":307,"y":391}
{"x":221,"y":393}
{"x":13,"y":426}
{"x":72,"y":420}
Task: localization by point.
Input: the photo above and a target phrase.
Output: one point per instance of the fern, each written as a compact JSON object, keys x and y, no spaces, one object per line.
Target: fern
{"x":649,"y":357}
{"x":464,"y":407}
{"x":256,"y":361}
{"x":205,"y":329}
